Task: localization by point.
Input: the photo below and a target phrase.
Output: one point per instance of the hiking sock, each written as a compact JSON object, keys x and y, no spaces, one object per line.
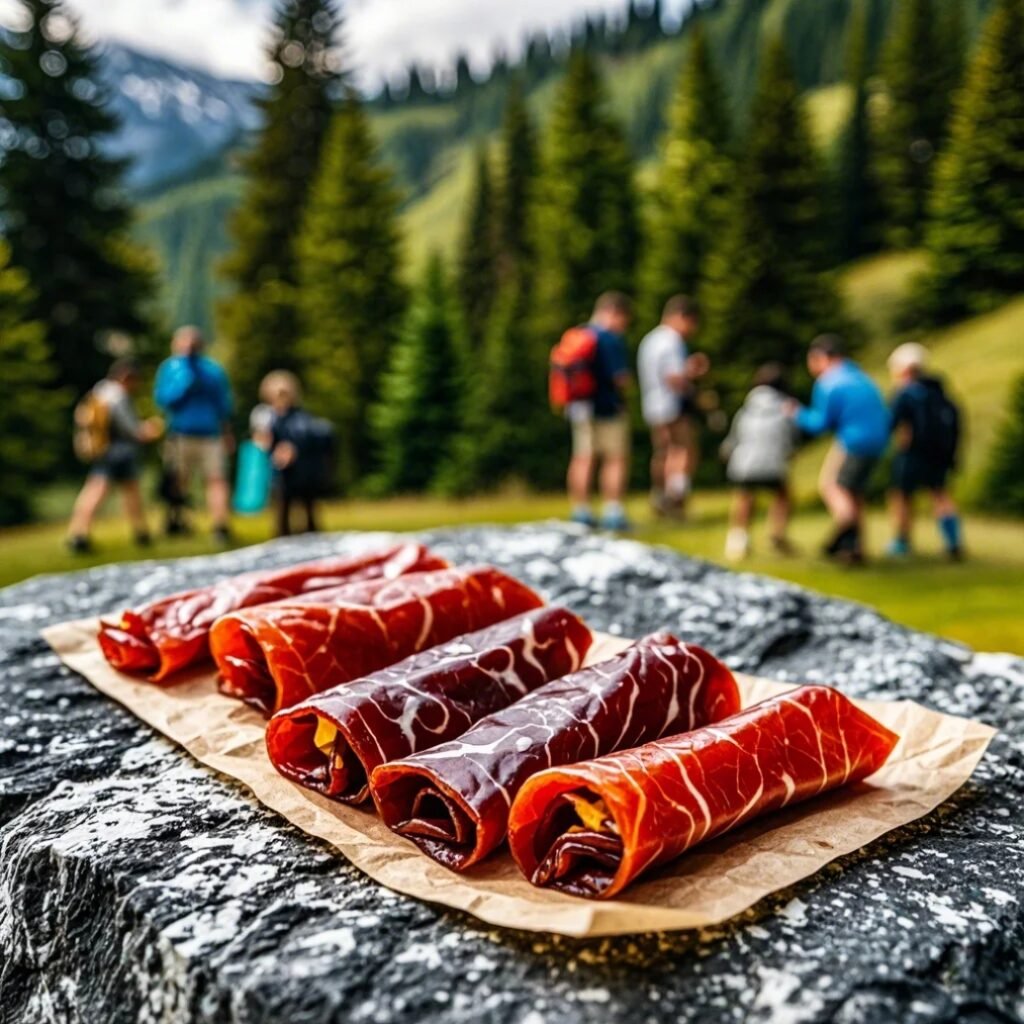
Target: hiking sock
{"x":737,"y":544}
{"x":677,"y":486}
{"x":581,"y":514}
{"x":949,"y":527}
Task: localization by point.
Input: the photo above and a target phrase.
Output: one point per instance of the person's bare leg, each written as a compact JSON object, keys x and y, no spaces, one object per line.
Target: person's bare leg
{"x":218,"y":501}
{"x":659,"y":461}
{"x":87,"y":504}
{"x":947,"y":517}
{"x":614,"y":471}
{"x":838,"y":500}
{"x":737,"y":540}
{"x":580,"y":475}
{"x":778,"y":518}
{"x":901,"y":510}
{"x":134,"y":510}
{"x":743,"y":504}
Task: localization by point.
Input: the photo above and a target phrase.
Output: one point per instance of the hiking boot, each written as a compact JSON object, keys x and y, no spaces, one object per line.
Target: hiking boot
{"x":616,"y":522}
{"x":660,"y":505}
{"x":955,"y":554}
{"x":843,"y":541}
{"x":737,"y":545}
{"x":223,"y":535}
{"x":583,"y":517}
{"x":79,"y":545}
{"x":144,"y":539}
{"x":783,"y":546}
{"x":178,"y":528}
{"x":899,"y":547}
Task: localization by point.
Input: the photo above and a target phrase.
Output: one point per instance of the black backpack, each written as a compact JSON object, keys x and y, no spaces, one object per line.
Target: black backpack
{"x":940,"y":428}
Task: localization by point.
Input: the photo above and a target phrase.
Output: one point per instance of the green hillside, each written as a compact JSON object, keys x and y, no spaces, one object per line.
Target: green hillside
{"x":428,"y":140}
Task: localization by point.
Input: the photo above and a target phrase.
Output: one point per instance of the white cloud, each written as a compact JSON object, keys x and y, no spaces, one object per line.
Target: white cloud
{"x":228,"y":36}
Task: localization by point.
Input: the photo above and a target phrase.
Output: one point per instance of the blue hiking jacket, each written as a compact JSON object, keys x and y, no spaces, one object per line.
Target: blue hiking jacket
{"x":848,"y":403}
{"x":194,"y":393}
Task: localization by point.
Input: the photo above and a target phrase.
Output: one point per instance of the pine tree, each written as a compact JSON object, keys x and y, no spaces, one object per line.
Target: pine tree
{"x":975,"y":238}
{"x":478,"y":253}
{"x":350,"y":295}
{"x":260,"y":319}
{"x":691,"y":199}
{"x":519,"y":165}
{"x":766,"y":296}
{"x":417,"y":417}
{"x":587,"y":229}
{"x":917,"y":78}
{"x":1003,"y":484}
{"x":62,"y":208}
{"x":857,"y":191}
{"x":32,"y":413}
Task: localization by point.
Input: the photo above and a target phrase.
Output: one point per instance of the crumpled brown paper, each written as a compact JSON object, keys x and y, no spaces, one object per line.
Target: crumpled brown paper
{"x":936,"y":755}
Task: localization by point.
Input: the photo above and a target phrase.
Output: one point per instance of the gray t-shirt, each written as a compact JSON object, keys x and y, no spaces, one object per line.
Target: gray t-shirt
{"x":124,"y":421}
{"x":662,"y":355}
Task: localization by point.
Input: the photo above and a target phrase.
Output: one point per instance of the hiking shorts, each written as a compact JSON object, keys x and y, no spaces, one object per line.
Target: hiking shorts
{"x":912,"y":473}
{"x":188,"y":456}
{"x":605,"y":438}
{"x":120,"y":464}
{"x":854,"y":473}
{"x":677,"y":434}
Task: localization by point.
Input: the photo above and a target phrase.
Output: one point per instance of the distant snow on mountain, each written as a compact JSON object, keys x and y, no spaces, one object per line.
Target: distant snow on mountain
{"x":173,"y":118}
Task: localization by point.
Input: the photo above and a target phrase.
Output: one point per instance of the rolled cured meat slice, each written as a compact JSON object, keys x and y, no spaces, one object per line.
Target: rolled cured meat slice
{"x":173,"y":634}
{"x":453,"y":800}
{"x":333,"y":741}
{"x":590,"y":829}
{"x":278,"y":654}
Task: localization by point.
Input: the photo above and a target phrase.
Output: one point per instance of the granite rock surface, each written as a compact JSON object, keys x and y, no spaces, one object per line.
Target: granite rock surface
{"x":137,"y":886}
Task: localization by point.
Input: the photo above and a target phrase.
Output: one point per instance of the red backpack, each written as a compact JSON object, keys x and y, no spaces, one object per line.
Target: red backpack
{"x":573,"y":375}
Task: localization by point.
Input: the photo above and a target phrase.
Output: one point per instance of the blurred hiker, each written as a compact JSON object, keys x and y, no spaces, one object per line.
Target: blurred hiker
{"x":848,"y":404}
{"x":667,"y":374}
{"x":301,"y":449}
{"x":926,"y":434}
{"x":109,"y":436}
{"x":194,"y":392}
{"x":589,"y":378}
{"x":758,"y":449}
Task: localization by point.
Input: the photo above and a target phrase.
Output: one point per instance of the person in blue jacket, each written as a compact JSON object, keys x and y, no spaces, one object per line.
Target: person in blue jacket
{"x":194,"y":393}
{"x":848,"y":404}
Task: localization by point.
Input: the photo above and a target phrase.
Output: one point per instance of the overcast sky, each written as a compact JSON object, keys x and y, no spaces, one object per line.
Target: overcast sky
{"x":227,"y":36}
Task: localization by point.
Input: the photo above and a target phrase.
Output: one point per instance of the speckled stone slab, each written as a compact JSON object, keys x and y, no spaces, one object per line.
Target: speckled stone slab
{"x":136,"y":886}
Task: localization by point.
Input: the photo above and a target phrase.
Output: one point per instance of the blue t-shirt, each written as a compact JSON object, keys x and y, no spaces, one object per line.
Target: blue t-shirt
{"x":195,"y":394}
{"x":847,"y":402}
{"x":612,"y":361}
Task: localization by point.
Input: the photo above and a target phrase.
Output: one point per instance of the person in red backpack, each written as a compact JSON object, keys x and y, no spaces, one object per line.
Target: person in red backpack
{"x":599,"y":420}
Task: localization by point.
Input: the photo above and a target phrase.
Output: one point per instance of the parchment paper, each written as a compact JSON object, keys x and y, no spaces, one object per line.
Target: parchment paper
{"x":935,"y":756}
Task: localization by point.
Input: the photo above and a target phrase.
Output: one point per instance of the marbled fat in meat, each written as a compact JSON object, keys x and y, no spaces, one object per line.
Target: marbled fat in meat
{"x":333,"y":741}
{"x":592,"y":828}
{"x":453,"y":801}
{"x":173,"y":633}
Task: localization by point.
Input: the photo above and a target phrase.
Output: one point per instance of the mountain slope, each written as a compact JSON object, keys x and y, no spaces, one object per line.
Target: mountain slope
{"x":429,"y":141}
{"x":174,"y":119}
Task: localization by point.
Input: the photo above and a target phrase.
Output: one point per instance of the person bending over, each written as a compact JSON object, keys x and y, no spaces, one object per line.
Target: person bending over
{"x":758,"y":449}
{"x":848,"y":404}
